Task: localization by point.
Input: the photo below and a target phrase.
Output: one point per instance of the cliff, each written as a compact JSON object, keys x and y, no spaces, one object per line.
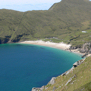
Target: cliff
{"x":75,"y":79}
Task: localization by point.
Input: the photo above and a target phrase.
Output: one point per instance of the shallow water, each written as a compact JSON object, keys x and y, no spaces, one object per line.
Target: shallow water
{"x":23,"y":66}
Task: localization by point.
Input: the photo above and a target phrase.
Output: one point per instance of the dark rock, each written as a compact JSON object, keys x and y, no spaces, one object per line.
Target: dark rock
{"x":5,"y":39}
{"x":84,"y":55}
{"x":77,"y":63}
{"x":73,"y":47}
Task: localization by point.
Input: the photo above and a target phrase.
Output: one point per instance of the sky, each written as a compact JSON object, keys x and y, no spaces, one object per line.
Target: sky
{"x":27,"y":5}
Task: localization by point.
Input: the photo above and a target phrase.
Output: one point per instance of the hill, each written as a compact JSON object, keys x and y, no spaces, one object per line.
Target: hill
{"x":68,"y":21}
{"x":64,"y":21}
{"x":77,"y":80}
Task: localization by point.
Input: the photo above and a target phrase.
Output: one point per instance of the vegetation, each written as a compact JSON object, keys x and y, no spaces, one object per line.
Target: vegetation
{"x":64,"y":20}
{"x":81,"y":79}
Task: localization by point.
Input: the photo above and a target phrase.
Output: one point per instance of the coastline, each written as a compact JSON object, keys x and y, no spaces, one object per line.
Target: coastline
{"x":60,"y":45}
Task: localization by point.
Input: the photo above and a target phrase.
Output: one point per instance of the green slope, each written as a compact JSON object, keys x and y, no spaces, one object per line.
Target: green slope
{"x":81,"y":79}
{"x":64,"y":20}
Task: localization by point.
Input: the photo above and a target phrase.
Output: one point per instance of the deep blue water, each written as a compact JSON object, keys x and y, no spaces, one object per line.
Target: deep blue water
{"x":24,"y":66}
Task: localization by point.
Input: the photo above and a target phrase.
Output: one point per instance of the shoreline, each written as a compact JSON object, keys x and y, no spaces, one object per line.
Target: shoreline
{"x":61,"y":45}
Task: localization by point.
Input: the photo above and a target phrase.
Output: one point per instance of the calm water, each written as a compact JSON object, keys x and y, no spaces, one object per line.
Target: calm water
{"x":25,"y":66}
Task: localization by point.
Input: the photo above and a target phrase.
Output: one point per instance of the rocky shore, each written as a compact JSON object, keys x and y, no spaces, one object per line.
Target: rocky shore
{"x":85,"y":51}
{"x":52,"y":81}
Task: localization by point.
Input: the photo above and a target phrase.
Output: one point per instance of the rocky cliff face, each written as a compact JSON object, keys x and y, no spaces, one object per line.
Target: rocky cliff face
{"x":51,"y":82}
{"x":86,"y":48}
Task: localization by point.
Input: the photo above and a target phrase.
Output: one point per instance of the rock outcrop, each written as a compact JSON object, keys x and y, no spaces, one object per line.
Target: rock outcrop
{"x":38,"y":89}
{"x":52,"y":81}
{"x":86,"y":48}
{"x":78,"y":63}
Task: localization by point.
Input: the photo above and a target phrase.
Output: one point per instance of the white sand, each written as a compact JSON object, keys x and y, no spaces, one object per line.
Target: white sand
{"x":49,"y":44}
{"x":61,"y":45}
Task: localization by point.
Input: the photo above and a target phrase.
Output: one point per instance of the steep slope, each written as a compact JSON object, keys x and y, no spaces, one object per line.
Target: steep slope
{"x":77,"y":80}
{"x":9,"y":22}
{"x":64,"y":20}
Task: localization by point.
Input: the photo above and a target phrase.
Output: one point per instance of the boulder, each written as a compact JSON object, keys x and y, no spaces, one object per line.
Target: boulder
{"x":52,"y":81}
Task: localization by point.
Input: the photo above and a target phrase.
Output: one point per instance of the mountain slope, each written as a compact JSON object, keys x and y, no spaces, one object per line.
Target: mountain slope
{"x":64,"y":20}
{"x":77,"y":80}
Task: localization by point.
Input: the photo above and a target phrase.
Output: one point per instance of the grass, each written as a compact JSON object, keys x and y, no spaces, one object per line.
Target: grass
{"x":82,"y":79}
{"x":64,"y":20}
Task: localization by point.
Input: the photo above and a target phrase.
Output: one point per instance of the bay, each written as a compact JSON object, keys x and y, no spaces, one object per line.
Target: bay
{"x":23,"y":66}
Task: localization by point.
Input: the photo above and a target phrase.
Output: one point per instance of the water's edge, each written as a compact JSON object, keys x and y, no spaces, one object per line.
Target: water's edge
{"x":52,"y":81}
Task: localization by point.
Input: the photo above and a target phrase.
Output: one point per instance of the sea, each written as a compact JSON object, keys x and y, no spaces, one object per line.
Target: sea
{"x":24,"y":66}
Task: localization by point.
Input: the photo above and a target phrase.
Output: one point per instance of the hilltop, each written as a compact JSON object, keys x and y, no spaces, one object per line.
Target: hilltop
{"x":64,"y":21}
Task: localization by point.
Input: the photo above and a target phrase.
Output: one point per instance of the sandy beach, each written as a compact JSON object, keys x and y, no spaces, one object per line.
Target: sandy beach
{"x":49,"y":44}
{"x":60,"y":45}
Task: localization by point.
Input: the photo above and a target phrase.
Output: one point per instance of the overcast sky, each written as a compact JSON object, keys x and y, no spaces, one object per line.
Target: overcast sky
{"x":25,"y":5}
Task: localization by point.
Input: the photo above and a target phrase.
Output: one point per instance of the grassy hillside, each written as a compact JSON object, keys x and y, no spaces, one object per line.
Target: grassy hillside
{"x":64,"y":21}
{"x":81,"y":79}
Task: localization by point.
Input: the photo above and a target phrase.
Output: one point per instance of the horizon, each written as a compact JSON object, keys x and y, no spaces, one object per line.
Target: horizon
{"x":27,"y":5}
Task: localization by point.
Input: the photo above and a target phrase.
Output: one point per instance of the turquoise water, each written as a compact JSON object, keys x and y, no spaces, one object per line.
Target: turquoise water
{"x":25,"y":66}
